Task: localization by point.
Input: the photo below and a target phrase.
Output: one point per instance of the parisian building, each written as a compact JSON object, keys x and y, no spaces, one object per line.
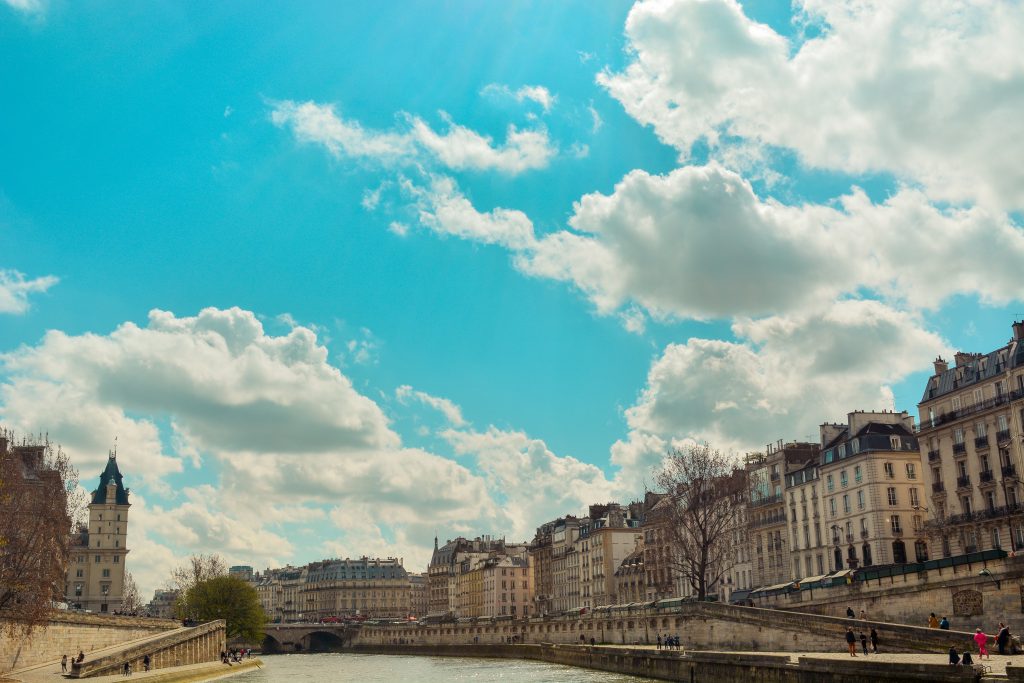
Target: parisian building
{"x":95,"y":577}
{"x":611,"y":533}
{"x":971,"y":439}
{"x":452,"y":559}
{"x":418,"y":594}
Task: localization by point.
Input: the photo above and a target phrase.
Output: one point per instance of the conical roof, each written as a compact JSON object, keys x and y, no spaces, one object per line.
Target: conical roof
{"x":110,"y":474}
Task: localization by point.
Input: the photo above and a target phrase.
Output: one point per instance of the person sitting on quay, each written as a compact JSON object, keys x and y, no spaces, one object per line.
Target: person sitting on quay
{"x":933,"y":621}
{"x":954,"y":657}
{"x":944,"y":624}
{"x":849,"y":613}
{"x":967,"y":659}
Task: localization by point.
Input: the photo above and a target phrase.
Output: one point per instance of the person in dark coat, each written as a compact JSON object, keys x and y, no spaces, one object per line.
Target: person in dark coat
{"x":874,"y":641}
{"x":944,"y":624}
{"x":1003,"y":638}
{"x":967,"y":660}
{"x":864,"y":643}
{"x":849,"y":612}
{"x":954,"y":657}
{"x":851,"y":642}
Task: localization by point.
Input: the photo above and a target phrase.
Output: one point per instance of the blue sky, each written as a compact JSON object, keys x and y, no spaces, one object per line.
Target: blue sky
{"x":341,"y":277}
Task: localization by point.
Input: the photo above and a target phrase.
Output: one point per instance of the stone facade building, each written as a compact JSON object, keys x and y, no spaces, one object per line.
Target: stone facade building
{"x":95,"y":576}
{"x":447,"y":592}
{"x":972,"y":441}
{"x":418,"y":595}
{"x":610,"y":535}
{"x":630,"y":579}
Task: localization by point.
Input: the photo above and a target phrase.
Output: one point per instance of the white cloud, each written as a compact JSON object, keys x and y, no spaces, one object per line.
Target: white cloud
{"x":451,"y":412}
{"x":595,"y":118}
{"x":784,"y":376}
{"x":27,"y":6}
{"x":15,"y":290}
{"x":458,"y":147}
{"x":534,"y":93}
{"x":931,"y":91}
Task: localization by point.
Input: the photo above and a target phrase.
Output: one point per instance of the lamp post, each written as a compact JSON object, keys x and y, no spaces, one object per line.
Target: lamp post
{"x":988,"y":575}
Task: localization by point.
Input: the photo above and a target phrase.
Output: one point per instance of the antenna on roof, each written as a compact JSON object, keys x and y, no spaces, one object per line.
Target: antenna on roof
{"x":113,"y":453}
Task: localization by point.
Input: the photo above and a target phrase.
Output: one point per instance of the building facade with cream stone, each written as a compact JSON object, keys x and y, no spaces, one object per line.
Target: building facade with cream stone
{"x":972,"y":442}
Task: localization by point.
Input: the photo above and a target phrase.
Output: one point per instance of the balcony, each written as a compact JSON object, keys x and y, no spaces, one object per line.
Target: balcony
{"x":963,"y":482}
{"x":767,"y":500}
{"x":959,"y":448}
{"x":897,"y":533}
{"x":775,"y":476}
{"x":952,"y":416}
{"x":981,"y":441}
{"x":986,"y":477}
{"x":1009,"y":471}
{"x":937,"y":487}
{"x":933,"y":456}
{"x":864,"y":533}
{"x":849,"y":538}
{"x":1003,"y":436}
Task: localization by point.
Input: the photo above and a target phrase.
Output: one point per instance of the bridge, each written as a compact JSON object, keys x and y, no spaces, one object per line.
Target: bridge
{"x":310,"y":637}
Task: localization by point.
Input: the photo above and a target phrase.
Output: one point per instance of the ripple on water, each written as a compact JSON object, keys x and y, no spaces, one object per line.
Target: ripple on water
{"x":359,"y":668}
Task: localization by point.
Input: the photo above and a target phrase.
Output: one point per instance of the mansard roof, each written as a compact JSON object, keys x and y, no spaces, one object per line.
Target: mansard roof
{"x":110,"y":474}
{"x":980,"y":368}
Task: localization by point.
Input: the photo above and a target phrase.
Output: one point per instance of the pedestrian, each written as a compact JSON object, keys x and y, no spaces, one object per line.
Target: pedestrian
{"x":659,"y":641}
{"x":864,"y":643}
{"x":849,"y":613}
{"x":81,"y":657}
{"x":967,"y":659}
{"x":592,"y":642}
{"x":127,"y":669}
{"x":874,"y":641}
{"x":145,"y":662}
{"x":981,"y":638}
{"x":1003,"y":637}
{"x":64,"y":664}
{"x":863,"y":615}
{"x":954,"y":658}
{"x":933,"y":621}
{"x":944,"y":624}
{"x":851,"y":641}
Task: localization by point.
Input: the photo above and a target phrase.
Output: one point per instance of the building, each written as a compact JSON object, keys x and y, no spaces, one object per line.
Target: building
{"x":565,"y":563}
{"x":659,"y":554}
{"x":610,"y":535}
{"x":446,"y":564}
{"x":872,"y":487}
{"x":162,"y":604}
{"x":418,"y":595}
{"x":241,"y":571}
{"x":808,"y":549}
{"x":630,"y":578}
{"x":95,"y":578}
{"x":971,"y":439}
{"x":543,"y":569}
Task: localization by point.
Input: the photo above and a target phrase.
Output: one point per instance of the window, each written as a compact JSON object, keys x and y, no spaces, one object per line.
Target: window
{"x":956,"y":403}
{"x":911,"y":471}
{"x":995,"y":539}
{"x":830,"y":483}
{"x":914,"y":500}
{"x":855,"y":446}
{"x":846,"y":503}
{"x":860,"y":500}
{"x":890,"y":471}
{"x":894,"y":442}
{"x":965,"y":504}
{"x":97,"y":559}
{"x":1001,"y":423}
{"x":990,"y":500}
{"x":895,"y":522}
{"x":842,"y":479}
{"x":958,"y":435}
{"x":117,"y":559}
{"x":831,"y":507}
{"x":857,"y":474}
{"x":891,"y":492}
{"x":79,"y":574}
{"x":106,"y":573}
{"x":979,"y":429}
{"x":961,"y":467}
{"x":917,"y":523}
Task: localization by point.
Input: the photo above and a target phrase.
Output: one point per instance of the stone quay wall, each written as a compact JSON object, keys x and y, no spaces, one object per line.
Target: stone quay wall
{"x":700,"y":626}
{"x":969,"y":600}
{"x":181,"y":647}
{"x":722,"y":667}
{"x":69,"y":632}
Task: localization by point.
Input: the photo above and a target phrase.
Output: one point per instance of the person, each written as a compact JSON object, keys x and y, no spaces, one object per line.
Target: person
{"x":127,"y":671}
{"x":81,"y":657}
{"x":145,"y":663}
{"x":981,"y":638}
{"x":944,"y":624}
{"x":967,"y":660}
{"x":933,"y":621}
{"x":851,"y":641}
{"x":1003,"y":638}
{"x":849,"y":612}
{"x":659,"y":641}
{"x":64,"y":664}
{"x":874,"y":641}
{"x":954,"y":658}
{"x":864,"y":643}
{"x":592,"y":642}
{"x":863,"y":615}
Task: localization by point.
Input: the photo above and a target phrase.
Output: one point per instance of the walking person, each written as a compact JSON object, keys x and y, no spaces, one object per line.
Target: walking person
{"x":933,"y":621}
{"x":981,"y":638}
{"x":874,"y":641}
{"x":864,"y":643}
{"x":64,"y":664}
{"x":145,"y":663}
{"x":851,"y":641}
{"x":659,"y":641}
{"x":1003,"y":637}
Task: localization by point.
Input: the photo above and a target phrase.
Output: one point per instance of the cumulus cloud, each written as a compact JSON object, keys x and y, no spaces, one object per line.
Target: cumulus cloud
{"x":929,"y":91}
{"x":458,"y":147}
{"x":15,"y":289}
{"x":784,"y":376}
{"x":451,"y":412}
{"x":533,"y":93}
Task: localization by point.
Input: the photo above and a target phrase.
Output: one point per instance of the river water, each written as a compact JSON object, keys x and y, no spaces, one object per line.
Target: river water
{"x":360,"y":668}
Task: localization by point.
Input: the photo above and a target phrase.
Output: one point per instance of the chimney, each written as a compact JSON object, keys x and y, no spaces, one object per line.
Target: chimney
{"x":962,"y":358}
{"x":1018,"y":330}
{"x":940,"y":365}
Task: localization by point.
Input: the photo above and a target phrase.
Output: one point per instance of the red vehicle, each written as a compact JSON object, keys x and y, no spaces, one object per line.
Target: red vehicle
{"x":330,"y":620}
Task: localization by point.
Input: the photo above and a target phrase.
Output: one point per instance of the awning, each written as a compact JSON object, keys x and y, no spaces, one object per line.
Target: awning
{"x":841,"y":573}
{"x":737,"y":596}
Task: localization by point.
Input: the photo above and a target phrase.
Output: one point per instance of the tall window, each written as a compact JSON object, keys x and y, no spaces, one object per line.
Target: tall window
{"x":891,"y":492}
{"x":890,"y":471}
{"x":846,"y":502}
{"x":857,"y":474}
{"x":914,"y":501}
{"x":1001,"y":423}
{"x":860,"y":500}
{"x":958,"y":435}
{"x":911,"y":471}
{"x":965,"y":504}
{"x":956,"y":403}
{"x":894,"y":442}
{"x":831,"y":507}
{"x":895,"y":522}
{"x":842,"y":479}
{"x":830,"y":483}
{"x":979,"y":428}
{"x":995,"y":539}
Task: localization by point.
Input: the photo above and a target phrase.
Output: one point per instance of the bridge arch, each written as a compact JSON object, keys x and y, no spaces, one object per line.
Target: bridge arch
{"x":271,"y":645}
{"x":324,"y":641}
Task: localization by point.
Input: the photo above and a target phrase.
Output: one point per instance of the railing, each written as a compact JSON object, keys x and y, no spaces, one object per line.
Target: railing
{"x":944,"y":418}
{"x":981,"y":442}
{"x":937,"y":487}
{"x":767,"y":500}
{"x":849,"y":538}
{"x":1009,"y":471}
{"x":959,"y":448}
{"x":864,"y":533}
{"x":1003,"y":435}
{"x":986,"y":476}
{"x":933,"y":456}
{"x":775,"y":476}
{"x":963,"y":482}
{"x":897,"y":533}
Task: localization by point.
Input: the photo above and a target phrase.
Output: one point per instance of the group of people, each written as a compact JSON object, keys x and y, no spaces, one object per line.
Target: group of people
{"x":668,"y":642}
{"x":64,"y":661}
{"x":229,"y":656}
{"x":981,"y":641}
{"x":934,"y":622}
{"x":851,"y":641}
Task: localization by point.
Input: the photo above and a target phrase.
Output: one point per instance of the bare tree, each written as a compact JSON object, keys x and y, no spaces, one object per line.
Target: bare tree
{"x":131,"y":603}
{"x":39,"y":499}
{"x":198,"y":569}
{"x":704,"y":513}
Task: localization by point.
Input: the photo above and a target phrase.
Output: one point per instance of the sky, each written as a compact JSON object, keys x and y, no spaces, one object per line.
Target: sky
{"x":336,"y":278}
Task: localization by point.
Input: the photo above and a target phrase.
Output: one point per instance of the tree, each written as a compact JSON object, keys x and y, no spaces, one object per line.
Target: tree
{"x":130,"y":601}
{"x":39,"y":500}
{"x":232,"y":599}
{"x":199,"y":568}
{"x":703,"y":513}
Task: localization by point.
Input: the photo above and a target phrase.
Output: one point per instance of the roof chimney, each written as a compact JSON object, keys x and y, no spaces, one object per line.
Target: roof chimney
{"x":1018,"y":330}
{"x":962,"y":358}
{"x":940,"y":365}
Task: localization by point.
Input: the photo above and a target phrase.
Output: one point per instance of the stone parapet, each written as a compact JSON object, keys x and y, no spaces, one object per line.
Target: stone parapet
{"x":182,"y":647}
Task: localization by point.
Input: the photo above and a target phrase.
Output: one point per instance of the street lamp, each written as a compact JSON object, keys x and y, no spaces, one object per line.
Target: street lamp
{"x":988,"y":575}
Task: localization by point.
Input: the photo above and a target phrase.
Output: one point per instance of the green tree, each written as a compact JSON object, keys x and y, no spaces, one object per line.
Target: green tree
{"x":231,"y":599}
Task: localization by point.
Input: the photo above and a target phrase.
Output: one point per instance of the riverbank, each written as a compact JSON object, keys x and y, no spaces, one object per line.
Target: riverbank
{"x":721,"y":667}
{"x":190,"y":673}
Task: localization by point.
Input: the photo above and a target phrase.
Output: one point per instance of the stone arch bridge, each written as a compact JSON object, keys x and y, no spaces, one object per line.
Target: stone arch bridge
{"x":308,"y":637}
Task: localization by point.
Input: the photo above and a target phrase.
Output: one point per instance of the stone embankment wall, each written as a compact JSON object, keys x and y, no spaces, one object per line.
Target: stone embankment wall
{"x":69,"y":632}
{"x":181,"y":647}
{"x":970,"y":601}
{"x":722,"y":667}
{"x":701,"y":626}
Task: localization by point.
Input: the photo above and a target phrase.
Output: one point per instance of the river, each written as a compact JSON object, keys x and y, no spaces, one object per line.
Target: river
{"x":360,"y":668}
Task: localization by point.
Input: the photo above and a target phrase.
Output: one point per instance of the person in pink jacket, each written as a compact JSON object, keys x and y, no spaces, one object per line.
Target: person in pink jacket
{"x":981,"y":639}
